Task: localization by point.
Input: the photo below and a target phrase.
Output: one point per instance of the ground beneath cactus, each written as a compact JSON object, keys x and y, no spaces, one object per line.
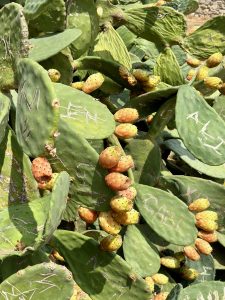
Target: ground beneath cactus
{"x":194,"y":23}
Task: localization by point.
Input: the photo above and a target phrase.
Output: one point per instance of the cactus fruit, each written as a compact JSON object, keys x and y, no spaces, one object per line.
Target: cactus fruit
{"x":126,"y":75}
{"x":213,"y":82}
{"x":141,"y":75}
{"x":203,"y":246}
{"x":149,"y":119}
{"x":111,"y":243}
{"x":124,"y":164}
{"x":127,"y":218}
{"x":191,"y":74}
{"x":191,"y":253}
{"x":54,"y":75}
{"x":129,"y":193}
{"x":108,"y":224}
{"x":161,"y":296}
{"x":214,"y":60}
{"x":150,"y":283}
{"x":117,"y":181}
{"x":193,"y":62}
{"x":88,"y":215}
{"x":222,"y":89}
{"x":110,"y":157}
{"x":199,"y":204}
{"x":152,"y":82}
{"x":121,"y":204}
{"x":202,"y":73}
{"x":77,"y":85}
{"x":126,"y":115}
{"x":170,"y":262}
{"x":189,"y":274}
{"x":210,"y":237}
{"x":57,"y":256}
{"x":126,"y":131}
{"x":207,"y":214}
{"x":160,"y":278}
{"x":48,"y":185}
{"x":92,"y":83}
{"x":206,"y":225}
{"x":41,"y":169}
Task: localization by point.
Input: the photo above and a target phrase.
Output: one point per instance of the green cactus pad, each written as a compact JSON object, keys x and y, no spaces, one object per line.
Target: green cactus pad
{"x":175,"y":292}
{"x":207,"y":39}
{"x":37,"y":105}
{"x":177,"y":146}
{"x":83,"y":16}
{"x":167,"y":67}
{"x":46,"y":280}
{"x":204,"y":290}
{"x":17,"y":184}
{"x":33,"y":8}
{"x":200,"y":127}
{"x":126,"y":35}
{"x":4,"y":114}
{"x":100,"y":274}
{"x":166,"y":215}
{"x":84,"y":114}
{"x":146,"y":264}
{"x":219,"y":106}
{"x":184,"y":6}
{"x":13,"y":43}
{"x":47,"y":46}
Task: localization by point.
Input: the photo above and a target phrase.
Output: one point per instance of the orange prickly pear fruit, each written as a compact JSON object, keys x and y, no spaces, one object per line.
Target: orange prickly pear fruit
{"x":88,"y":215}
{"x":110,"y":157}
{"x":191,"y":74}
{"x":206,"y":225}
{"x":48,"y":185}
{"x":213,"y":82}
{"x":160,"y":278}
{"x":210,"y":237}
{"x":202,"y":73}
{"x":111,"y":243}
{"x":126,"y":115}
{"x":126,"y":131}
{"x":129,"y":193}
{"x":191,"y":253}
{"x":54,"y":75}
{"x":203,"y":246}
{"x":207,"y":214}
{"x":41,"y":169}
{"x":149,"y":119}
{"x":121,"y":204}
{"x":108,"y":224}
{"x":199,"y":204}
{"x":193,"y":62}
{"x":170,"y":262}
{"x":77,"y":85}
{"x":188,"y":273}
{"x":92,"y":83}
{"x":124,"y":164}
{"x":161,"y":296}
{"x":117,"y":181}
{"x":127,"y":218}
{"x":214,"y":60}
{"x":150,"y":283}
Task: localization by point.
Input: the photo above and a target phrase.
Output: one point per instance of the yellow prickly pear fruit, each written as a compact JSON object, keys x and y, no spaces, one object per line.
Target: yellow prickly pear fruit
{"x":77,"y":85}
{"x":193,"y":62}
{"x":161,"y":296}
{"x":126,"y":131}
{"x":160,"y":278}
{"x":108,"y":224}
{"x":203,"y":246}
{"x":191,"y":253}
{"x":170,"y":262}
{"x":48,"y":185}
{"x":152,"y":82}
{"x":111,"y":243}
{"x":213,"y":82}
{"x":206,"y":225}
{"x":180,"y":256}
{"x":127,"y":218}
{"x":141,"y":75}
{"x":117,"y":181}
{"x":160,"y":2}
{"x":199,"y":204}
{"x":57,"y":256}
{"x":150,"y":283}
{"x":92,"y":83}
{"x":54,"y":75}
{"x":121,"y":204}
{"x":88,"y":215}
{"x":110,"y":157}
{"x":125,"y":163}
{"x":126,"y":115}
{"x":214,"y":60}
{"x":126,"y":75}
{"x":210,"y":237}
{"x":202,"y":73}
{"x":222,"y":89}
{"x":207,"y":214}
{"x":191,"y":74}
{"x":188,"y":273}
{"x":149,"y":119}
{"x":129,"y":193}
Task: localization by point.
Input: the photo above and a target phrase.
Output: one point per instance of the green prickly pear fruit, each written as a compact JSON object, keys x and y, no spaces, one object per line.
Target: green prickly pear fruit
{"x":203,"y":246}
{"x":141,"y":75}
{"x":222,"y":89}
{"x":191,"y":253}
{"x":121,"y":204}
{"x":188,"y":273}
{"x":193,"y":62}
{"x":111,"y":243}
{"x":48,"y":185}
{"x":88,"y":215}
{"x":161,"y":296}
{"x":199,"y":204}
{"x":126,"y":115}
{"x":125,"y":163}
{"x":127,"y":218}
{"x":54,"y":75}
{"x":129,"y":193}
{"x":150,"y":283}
{"x":180,"y":256}
{"x":41,"y":169}
{"x":108,"y":224}
{"x":77,"y":85}
{"x":207,"y":214}
{"x":202,"y":73}
{"x":110,"y":157}
{"x":160,"y":278}
{"x":213,"y":82}
{"x":191,"y":74}
{"x":117,"y":181}
{"x":214,"y":60}
{"x":170,"y":262}
{"x":206,"y":225}
{"x":210,"y":237}
{"x":92,"y":83}
{"x":126,"y":131}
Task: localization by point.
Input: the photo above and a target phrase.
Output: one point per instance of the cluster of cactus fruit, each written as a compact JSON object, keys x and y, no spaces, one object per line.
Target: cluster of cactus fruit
{"x":112,"y":151}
